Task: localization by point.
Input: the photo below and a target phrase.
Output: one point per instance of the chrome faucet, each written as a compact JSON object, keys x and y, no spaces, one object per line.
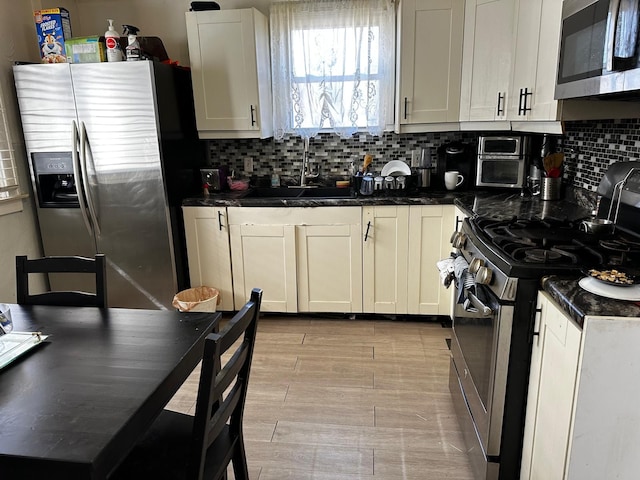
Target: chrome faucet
{"x":306,"y":171}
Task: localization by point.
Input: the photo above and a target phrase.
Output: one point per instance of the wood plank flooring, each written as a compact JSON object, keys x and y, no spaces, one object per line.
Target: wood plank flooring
{"x":348,"y":399}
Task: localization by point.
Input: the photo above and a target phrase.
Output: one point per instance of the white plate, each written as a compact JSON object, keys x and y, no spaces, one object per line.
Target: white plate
{"x":395,"y":167}
{"x":592,"y":285}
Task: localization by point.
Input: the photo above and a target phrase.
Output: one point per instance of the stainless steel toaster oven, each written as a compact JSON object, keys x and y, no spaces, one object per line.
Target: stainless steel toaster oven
{"x":502,"y":161}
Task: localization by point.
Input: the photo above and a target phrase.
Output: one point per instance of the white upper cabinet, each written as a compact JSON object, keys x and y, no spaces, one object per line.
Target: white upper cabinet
{"x":231,"y":73}
{"x":430,"y":54}
{"x":486,"y":64}
{"x":535,"y":61}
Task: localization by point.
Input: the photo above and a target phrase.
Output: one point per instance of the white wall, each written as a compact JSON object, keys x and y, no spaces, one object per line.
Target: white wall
{"x":18,"y":231}
{"x":157,"y":18}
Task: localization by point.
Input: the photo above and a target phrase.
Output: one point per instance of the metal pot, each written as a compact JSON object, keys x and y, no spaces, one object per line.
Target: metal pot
{"x":598,"y":226}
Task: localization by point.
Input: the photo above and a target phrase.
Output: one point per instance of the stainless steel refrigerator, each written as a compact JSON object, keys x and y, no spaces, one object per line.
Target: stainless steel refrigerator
{"x":112,"y":151}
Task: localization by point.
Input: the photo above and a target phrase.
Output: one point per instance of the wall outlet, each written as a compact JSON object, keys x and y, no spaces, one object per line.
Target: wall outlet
{"x":248,"y":164}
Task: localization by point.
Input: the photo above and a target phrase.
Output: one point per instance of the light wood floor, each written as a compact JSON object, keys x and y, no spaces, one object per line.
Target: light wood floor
{"x":348,"y":399}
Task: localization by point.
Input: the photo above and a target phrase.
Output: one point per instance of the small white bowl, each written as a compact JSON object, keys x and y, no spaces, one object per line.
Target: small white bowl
{"x":395,"y":167}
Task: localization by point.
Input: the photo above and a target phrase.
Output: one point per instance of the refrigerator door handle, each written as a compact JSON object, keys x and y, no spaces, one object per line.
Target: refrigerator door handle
{"x":75,"y":140}
{"x":85,"y":151}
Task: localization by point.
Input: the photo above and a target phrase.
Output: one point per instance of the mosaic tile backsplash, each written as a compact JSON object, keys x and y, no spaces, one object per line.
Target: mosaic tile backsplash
{"x":589,"y":146}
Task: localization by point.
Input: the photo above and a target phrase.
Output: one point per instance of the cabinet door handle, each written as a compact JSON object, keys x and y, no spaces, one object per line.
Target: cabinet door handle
{"x":500,"y":104}
{"x":527,"y":94}
{"x":366,"y":234}
{"x":536,"y":325}
{"x":220,"y":220}
{"x":406,"y":101}
{"x":522,"y":103}
{"x":458,"y":222}
{"x":253,"y":120}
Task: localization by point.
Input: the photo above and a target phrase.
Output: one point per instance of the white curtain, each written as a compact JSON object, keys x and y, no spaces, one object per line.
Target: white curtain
{"x":332,"y":66}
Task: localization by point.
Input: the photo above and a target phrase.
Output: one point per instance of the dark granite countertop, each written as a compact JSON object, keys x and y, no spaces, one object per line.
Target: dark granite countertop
{"x":237,"y":199}
{"x":578,"y":303}
{"x":576,"y":203}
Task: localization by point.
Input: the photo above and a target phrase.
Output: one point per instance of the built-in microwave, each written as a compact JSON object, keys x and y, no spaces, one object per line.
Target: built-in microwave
{"x":502,"y":161}
{"x":599,"y":48}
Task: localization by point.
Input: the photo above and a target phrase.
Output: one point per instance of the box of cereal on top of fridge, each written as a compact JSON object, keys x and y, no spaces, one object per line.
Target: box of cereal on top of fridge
{"x":53,"y":27}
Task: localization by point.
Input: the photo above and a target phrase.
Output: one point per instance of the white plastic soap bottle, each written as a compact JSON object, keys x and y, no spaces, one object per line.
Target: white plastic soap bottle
{"x":112,"y":39}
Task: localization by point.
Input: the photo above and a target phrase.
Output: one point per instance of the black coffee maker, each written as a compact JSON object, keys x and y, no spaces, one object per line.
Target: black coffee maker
{"x":457,"y":156}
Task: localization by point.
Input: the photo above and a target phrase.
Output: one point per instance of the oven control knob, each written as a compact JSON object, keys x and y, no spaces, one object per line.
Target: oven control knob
{"x":484,"y":275}
{"x":475,"y":265}
{"x":458,"y":240}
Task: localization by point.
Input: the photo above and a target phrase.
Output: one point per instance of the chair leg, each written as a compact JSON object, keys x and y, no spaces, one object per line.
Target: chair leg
{"x":239,"y":460}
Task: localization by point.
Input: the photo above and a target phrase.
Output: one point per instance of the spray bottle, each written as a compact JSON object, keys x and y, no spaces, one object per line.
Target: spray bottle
{"x":133,"y":51}
{"x":112,"y":40}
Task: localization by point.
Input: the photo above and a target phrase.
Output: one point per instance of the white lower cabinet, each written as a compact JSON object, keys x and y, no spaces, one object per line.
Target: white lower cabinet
{"x":385,"y":233}
{"x":304,"y":259}
{"x":459,"y":216}
{"x":554,"y":364}
{"x":372,"y":259}
{"x":329,"y":268}
{"x":402,"y":246}
{"x":207,"y":235}
{"x":582,"y":418}
{"x":264,"y":256}
{"x":430,"y":228}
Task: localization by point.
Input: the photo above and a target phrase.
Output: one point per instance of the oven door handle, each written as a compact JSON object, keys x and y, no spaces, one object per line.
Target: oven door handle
{"x":477,"y":303}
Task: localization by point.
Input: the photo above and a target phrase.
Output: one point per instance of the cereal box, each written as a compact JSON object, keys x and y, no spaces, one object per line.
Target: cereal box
{"x":85,"y":50}
{"x":53,"y":27}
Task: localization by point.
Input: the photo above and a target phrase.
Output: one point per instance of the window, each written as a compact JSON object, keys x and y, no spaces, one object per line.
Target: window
{"x":332,"y":66}
{"x":8,"y":175}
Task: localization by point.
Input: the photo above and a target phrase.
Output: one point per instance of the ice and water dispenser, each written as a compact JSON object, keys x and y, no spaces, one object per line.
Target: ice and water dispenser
{"x":55,"y":181}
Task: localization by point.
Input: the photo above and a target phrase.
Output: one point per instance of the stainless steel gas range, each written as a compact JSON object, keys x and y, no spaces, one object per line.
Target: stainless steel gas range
{"x":503,"y":261}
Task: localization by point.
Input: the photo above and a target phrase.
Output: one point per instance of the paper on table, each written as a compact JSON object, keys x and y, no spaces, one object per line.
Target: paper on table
{"x":14,"y":344}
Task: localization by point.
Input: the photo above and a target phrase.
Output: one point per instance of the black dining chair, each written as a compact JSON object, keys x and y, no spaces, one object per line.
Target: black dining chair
{"x":71,"y":264}
{"x":179,"y":446}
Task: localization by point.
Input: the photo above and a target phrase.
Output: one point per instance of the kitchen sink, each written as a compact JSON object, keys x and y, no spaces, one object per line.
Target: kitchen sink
{"x":268,"y":192}
{"x":298,"y":192}
{"x":326,"y":192}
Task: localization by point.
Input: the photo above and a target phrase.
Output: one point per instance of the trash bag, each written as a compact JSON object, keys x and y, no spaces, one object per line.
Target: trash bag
{"x":197,"y":299}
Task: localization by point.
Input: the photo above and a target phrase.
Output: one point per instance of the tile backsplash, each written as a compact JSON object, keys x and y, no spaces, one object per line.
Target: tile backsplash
{"x":590,"y":147}
{"x":329,"y":152}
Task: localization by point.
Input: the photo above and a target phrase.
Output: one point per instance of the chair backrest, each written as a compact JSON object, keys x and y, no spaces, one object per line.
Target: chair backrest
{"x":213,"y":408}
{"x":95,"y":266}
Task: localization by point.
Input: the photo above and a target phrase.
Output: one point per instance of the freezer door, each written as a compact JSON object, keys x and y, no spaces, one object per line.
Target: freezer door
{"x":47,"y":110}
{"x":116,"y":102}
{"x":47,"y":106}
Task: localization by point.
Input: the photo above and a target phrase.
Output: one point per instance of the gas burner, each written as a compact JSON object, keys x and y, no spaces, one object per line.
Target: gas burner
{"x":542,"y":255}
{"x":620,"y":245}
{"x":508,"y":243}
{"x":545,"y":255}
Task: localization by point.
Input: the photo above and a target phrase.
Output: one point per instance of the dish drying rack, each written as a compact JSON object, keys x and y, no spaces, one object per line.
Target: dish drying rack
{"x":619,"y":187}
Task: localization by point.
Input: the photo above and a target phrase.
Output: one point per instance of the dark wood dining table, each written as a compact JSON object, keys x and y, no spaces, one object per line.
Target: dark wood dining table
{"x":75,"y":405}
